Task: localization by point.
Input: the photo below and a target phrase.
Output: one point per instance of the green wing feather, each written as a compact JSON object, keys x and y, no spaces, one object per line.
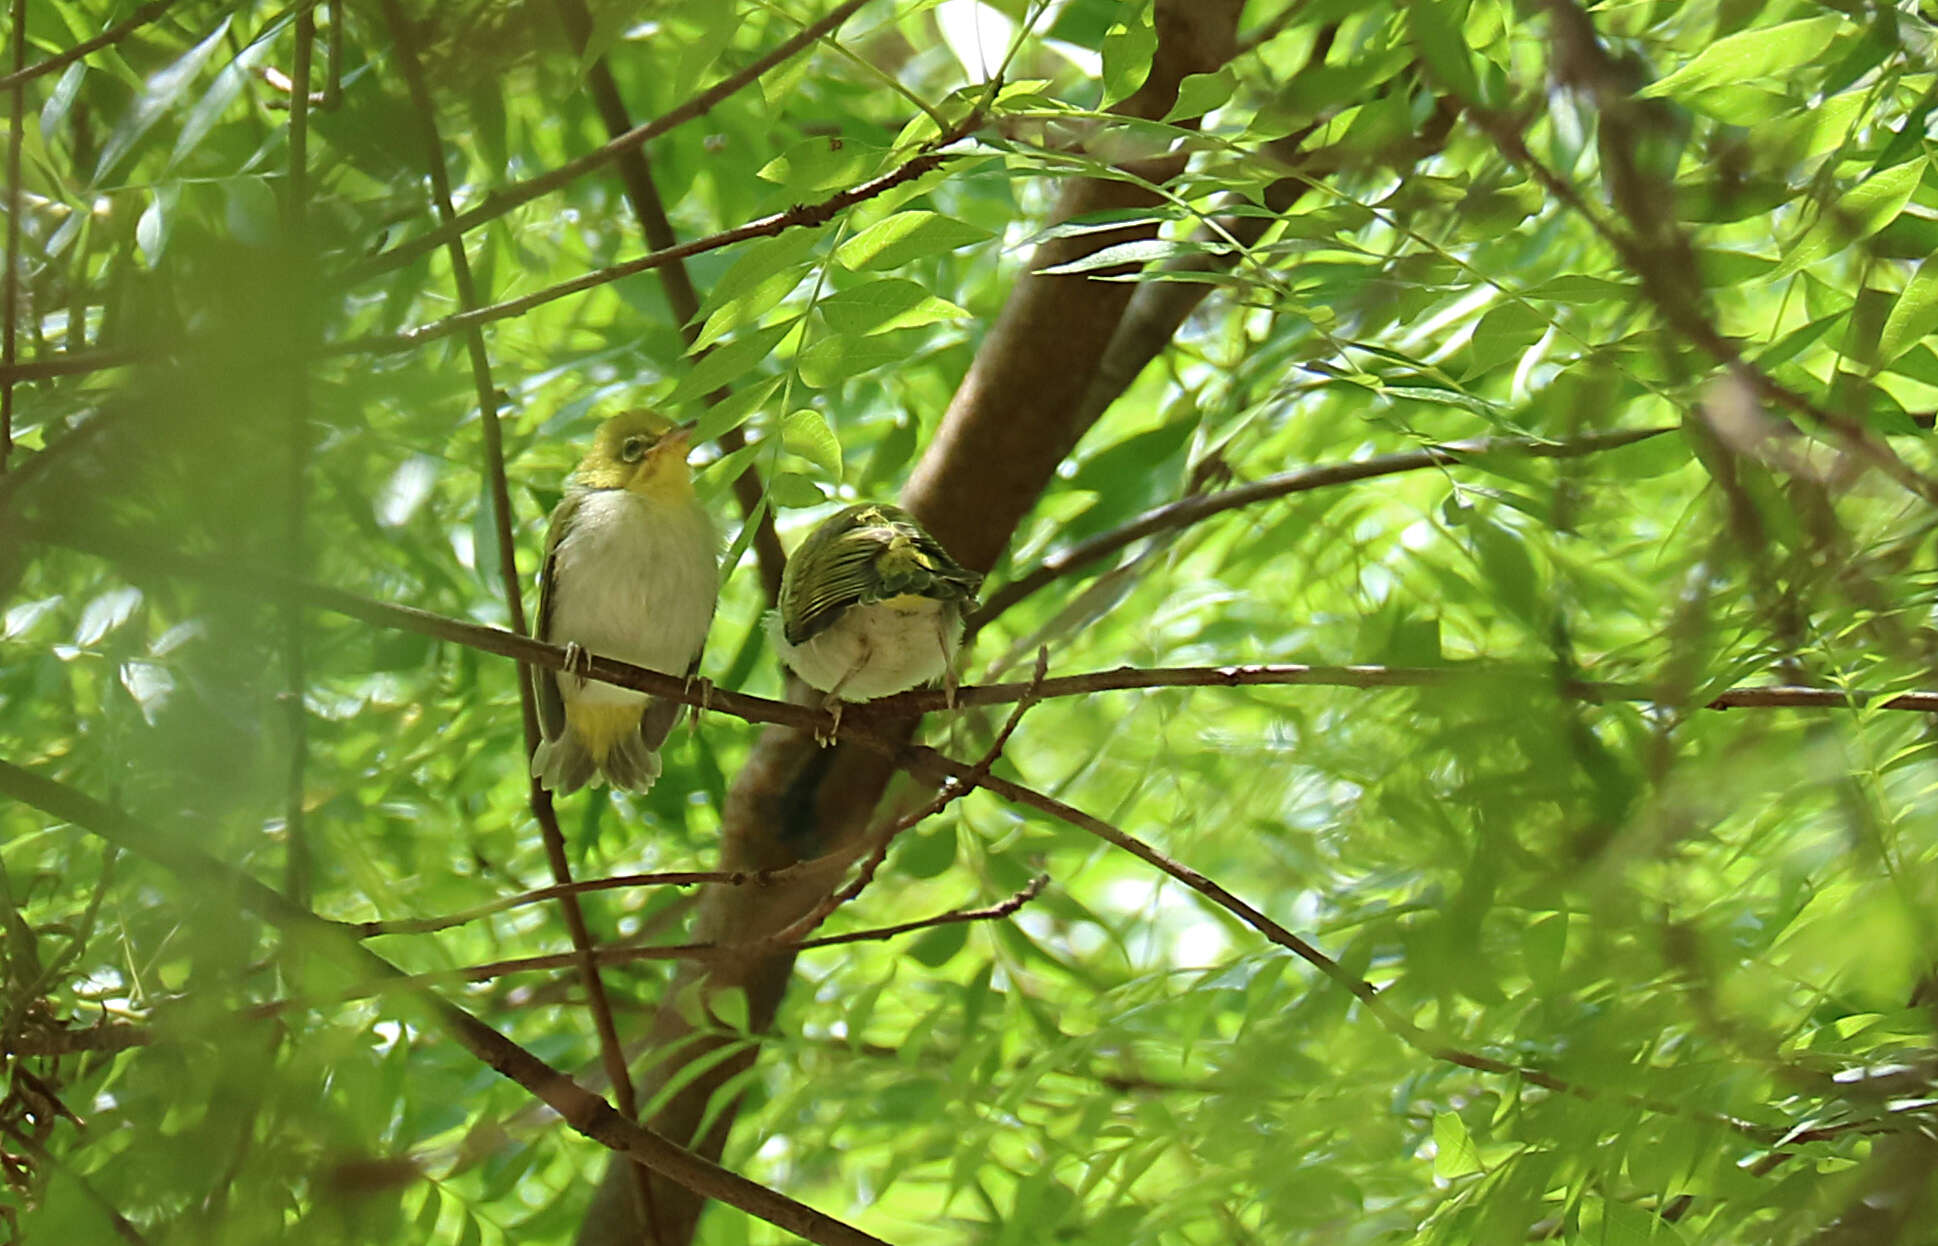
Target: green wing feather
{"x":862,"y":555}
{"x":545,"y":686}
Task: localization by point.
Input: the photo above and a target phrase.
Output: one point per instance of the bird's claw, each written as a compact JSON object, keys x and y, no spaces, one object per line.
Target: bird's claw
{"x":578,"y":663}
{"x":825,"y":737}
{"x":706,"y":697}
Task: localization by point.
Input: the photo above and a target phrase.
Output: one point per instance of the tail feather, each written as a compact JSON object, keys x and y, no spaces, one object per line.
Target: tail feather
{"x":630,"y":764}
{"x":563,"y":765}
{"x":566,"y":763}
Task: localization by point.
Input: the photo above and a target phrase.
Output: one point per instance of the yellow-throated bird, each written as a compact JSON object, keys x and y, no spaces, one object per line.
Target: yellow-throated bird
{"x":871,"y":604}
{"x":631,"y":572}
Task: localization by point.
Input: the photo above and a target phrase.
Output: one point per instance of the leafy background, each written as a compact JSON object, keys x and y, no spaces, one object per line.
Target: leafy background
{"x":1699,"y":920}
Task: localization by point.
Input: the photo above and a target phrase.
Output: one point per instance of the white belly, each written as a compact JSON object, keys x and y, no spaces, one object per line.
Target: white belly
{"x":873,"y":651}
{"x":635,"y":582}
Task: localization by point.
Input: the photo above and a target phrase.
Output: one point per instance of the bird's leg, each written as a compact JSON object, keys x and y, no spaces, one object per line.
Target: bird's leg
{"x":951,"y":678}
{"x":832,"y":702}
{"x":578,"y":663}
{"x":706,"y":699}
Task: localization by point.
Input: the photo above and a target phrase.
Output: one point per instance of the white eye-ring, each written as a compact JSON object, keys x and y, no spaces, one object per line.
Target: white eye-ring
{"x":633,"y":449}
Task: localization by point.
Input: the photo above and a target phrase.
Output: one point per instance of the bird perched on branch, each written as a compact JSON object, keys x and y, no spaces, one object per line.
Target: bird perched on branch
{"x":871,"y":604}
{"x":631,"y":572}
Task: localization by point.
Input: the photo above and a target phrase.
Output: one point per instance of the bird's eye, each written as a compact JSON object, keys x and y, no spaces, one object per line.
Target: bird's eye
{"x":633,"y":449}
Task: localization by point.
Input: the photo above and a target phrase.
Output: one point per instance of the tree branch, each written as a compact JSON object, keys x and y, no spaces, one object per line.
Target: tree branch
{"x":1203,"y":506}
{"x":10,"y":280}
{"x":507,"y":198}
{"x":296,"y":474}
{"x":611,"y":1049}
{"x":257,"y":582}
{"x":114,"y":34}
{"x":583,"y":1111}
{"x":813,"y":214}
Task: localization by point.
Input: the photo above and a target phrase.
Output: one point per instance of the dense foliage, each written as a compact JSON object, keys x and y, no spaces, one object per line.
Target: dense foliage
{"x":1698,"y":941}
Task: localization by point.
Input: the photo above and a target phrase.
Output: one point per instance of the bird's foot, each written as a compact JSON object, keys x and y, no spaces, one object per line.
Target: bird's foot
{"x":706,"y":698}
{"x":832,"y":704}
{"x":578,"y":663}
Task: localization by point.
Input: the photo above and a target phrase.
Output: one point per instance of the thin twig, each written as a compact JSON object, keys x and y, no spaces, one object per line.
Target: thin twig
{"x":106,"y":1036}
{"x":10,"y":299}
{"x":812,"y":214}
{"x":1203,"y":506}
{"x":612,"y":1051}
{"x":296,"y":478}
{"x":70,"y":363}
{"x":114,"y":34}
{"x":503,"y":200}
{"x":119,"y":1036}
{"x":540,"y":895}
{"x":925,"y":761}
{"x":989,"y":913}
{"x":881,"y":840}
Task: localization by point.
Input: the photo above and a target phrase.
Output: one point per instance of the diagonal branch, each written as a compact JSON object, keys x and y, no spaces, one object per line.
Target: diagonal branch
{"x":583,"y":1111}
{"x":813,"y":214}
{"x":114,"y":34}
{"x":1203,"y":506}
{"x":611,"y":1049}
{"x":507,"y":198}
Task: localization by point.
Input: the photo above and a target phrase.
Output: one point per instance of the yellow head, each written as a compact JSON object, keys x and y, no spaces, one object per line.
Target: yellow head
{"x":642,"y":451}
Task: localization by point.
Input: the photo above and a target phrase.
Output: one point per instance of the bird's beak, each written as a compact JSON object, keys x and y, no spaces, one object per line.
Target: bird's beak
{"x":679,"y":437}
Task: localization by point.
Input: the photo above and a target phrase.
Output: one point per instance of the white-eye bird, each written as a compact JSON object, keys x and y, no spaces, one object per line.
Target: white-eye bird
{"x":631,"y":572}
{"x":871,"y":604}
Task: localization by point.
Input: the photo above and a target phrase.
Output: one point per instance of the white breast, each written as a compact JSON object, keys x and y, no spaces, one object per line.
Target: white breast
{"x":635,"y":581}
{"x":873,"y":651}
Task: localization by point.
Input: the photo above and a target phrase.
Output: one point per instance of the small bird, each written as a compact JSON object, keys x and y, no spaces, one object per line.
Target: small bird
{"x":631,"y":572}
{"x":871,"y":604}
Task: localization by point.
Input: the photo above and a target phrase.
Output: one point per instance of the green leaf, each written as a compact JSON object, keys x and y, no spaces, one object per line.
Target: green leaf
{"x":729,"y":1008}
{"x":730,"y":362}
{"x":937,"y":946}
{"x":1139,"y":251}
{"x":1862,"y":211}
{"x":835,"y":359}
{"x":1913,"y":316}
{"x":928,"y":851}
{"x":895,"y":240}
{"x":888,"y":303}
{"x":736,"y":410}
{"x":807,"y":433}
{"x":793,"y":490}
{"x":1128,"y":46}
{"x":1439,"y":34}
{"x":1454,"y":1154}
{"x":786,"y":252}
{"x":1759,"y":52}
{"x":1198,"y":94}
{"x":820,"y":164}
{"x":1611,"y":1222}
{"x":163,"y":91}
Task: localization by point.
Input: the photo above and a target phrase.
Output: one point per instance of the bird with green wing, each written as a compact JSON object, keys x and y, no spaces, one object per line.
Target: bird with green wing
{"x":871,"y":604}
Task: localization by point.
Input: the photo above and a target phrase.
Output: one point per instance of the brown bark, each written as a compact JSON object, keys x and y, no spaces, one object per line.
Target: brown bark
{"x":1017,"y":414}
